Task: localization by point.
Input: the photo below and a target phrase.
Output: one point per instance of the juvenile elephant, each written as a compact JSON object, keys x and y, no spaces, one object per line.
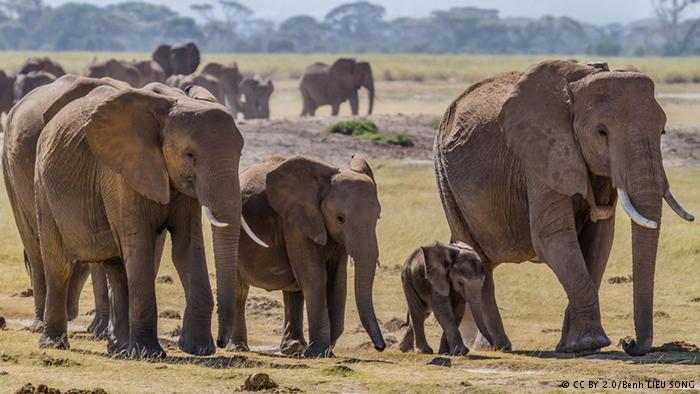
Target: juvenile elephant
{"x":443,"y":279}
{"x":207,"y":82}
{"x":324,"y":84}
{"x":313,"y":216}
{"x":117,"y":167}
{"x":177,"y":59}
{"x":530,"y":166}
{"x":24,"y":125}
{"x":230,"y":78}
{"x":255,"y":97}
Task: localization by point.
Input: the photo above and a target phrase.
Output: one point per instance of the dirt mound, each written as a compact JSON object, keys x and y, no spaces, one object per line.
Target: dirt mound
{"x":615,"y":280}
{"x":49,"y":361}
{"x":165,"y":279}
{"x":175,"y":332}
{"x":25,"y":293}
{"x":262,"y":306}
{"x":170,"y":314}
{"x":394,"y":324}
{"x":677,"y":346}
{"x":661,"y":315}
{"x":3,"y":323}
{"x":44,"y":389}
{"x":259,"y":381}
{"x":390,"y":341}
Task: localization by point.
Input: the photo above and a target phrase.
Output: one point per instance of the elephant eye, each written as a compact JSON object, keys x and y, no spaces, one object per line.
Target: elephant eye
{"x":603,"y":131}
{"x":663,"y":131}
{"x":190,"y":156}
{"x":340,"y":219}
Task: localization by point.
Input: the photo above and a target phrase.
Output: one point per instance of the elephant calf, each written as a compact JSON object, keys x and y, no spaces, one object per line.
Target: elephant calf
{"x":443,"y":279}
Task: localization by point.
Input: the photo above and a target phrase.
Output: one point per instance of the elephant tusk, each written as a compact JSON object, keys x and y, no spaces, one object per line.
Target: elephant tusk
{"x":633,"y":213}
{"x":214,"y":222}
{"x":251,"y":234}
{"x":677,"y":208}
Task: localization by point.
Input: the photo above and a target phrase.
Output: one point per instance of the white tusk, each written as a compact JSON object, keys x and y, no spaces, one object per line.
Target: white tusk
{"x":212,"y":219}
{"x":677,"y":208}
{"x":251,"y":234}
{"x":632,"y":212}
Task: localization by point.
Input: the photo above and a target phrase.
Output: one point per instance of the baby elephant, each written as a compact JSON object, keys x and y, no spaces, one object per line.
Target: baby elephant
{"x":443,"y":279}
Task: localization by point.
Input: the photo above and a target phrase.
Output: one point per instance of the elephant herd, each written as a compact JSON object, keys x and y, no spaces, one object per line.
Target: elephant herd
{"x":177,"y":66}
{"x":529,"y":166}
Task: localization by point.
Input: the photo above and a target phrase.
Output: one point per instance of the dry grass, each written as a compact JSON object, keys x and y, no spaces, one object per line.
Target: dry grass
{"x":531,"y":300}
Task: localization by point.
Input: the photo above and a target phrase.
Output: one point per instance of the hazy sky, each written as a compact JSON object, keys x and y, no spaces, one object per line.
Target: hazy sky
{"x":593,"y":11}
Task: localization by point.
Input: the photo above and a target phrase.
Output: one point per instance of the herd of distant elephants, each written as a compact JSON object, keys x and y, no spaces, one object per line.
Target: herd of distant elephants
{"x":529,"y":167}
{"x":178,"y":65}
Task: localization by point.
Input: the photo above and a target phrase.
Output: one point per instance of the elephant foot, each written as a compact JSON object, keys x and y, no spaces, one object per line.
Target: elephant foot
{"x":54,"y":342}
{"x":36,"y":326}
{"x":405,"y":346}
{"x":583,"y":337}
{"x":201,"y":348}
{"x":146,"y":349}
{"x":293,"y":347}
{"x":237,"y":346}
{"x":425,"y":349}
{"x":318,"y":351}
{"x":459,"y":350}
{"x":99,"y":327}
{"x":116,"y":346}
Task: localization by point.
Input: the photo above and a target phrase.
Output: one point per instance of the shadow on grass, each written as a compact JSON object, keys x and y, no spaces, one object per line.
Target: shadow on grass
{"x":680,"y":358}
{"x":215,"y":362}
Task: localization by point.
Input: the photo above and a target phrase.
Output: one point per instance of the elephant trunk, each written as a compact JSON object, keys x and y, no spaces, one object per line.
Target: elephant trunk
{"x":643,"y":193}
{"x":474,"y":300}
{"x":369,"y":84}
{"x":223,"y":209}
{"x":366,"y":257}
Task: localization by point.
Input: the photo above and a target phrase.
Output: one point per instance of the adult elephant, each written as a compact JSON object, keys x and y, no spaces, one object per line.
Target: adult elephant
{"x":25,"y":83}
{"x":324,"y":84}
{"x":255,"y":97}
{"x":24,"y":126}
{"x":177,"y":59}
{"x":230,"y":77}
{"x":117,"y":167}
{"x":207,"y":82}
{"x":42,"y":64}
{"x":529,"y":167}
{"x":149,"y":72}
{"x":7,"y":89}
{"x":116,"y":69}
{"x":313,"y":216}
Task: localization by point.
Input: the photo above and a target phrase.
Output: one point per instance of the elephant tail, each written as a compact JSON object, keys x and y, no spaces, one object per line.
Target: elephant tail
{"x":27,"y":266}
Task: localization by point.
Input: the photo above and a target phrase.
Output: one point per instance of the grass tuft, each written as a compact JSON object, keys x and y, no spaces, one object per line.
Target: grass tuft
{"x":367,"y":130}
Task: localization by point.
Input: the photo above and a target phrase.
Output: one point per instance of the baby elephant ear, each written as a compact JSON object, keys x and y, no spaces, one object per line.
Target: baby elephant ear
{"x":435,"y":258}
{"x":359,"y":164}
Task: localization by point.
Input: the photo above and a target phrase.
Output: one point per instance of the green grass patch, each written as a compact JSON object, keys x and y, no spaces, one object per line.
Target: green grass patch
{"x":435,"y":123}
{"x":367,"y":130}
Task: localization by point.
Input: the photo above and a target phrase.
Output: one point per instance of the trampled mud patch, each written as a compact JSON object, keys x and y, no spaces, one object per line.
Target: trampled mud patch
{"x":262,"y":306}
{"x":25,"y":293}
{"x":175,"y":332}
{"x":49,"y":361}
{"x":394,"y":324}
{"x":44,"y":389}
{"x":259,"y":382}
{"x":550,"y":330}
{"x":165,"y":279}
{"x":338,"y":370}
{"x":661,"y":315}
{"x":677,"y":346}
{"x":615,"y":280}
{"x":3,"y":323}
{"x":170,"y":314}
{"x":389,"y":339}
{"x":225,"y":362}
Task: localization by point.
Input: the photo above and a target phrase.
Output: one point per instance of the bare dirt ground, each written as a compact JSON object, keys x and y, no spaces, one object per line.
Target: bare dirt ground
{"x":309,"y":136}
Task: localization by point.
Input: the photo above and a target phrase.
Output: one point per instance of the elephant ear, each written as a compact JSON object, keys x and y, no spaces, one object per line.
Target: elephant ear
{"x":436,"y":268}
{"x":537,"y":124}
{"x":79,"y":88}
{"x":194,"y":55}
{"x":294,"y":191}
{"x":199,"y":93}
{"x":343,"y":71}
{"x":162,"y":56}
{"x":359,"y":164}
{"x":124,"y":134}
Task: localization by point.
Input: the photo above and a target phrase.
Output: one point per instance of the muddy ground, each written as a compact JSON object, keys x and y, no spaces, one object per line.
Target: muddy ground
{"x":308,"y":136}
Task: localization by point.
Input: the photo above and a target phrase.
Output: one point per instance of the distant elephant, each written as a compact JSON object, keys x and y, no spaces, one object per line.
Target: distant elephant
{"x":208,"y":82}
{"x":313,"y":216}
{"x":443,"y":280}
{"x":115,"y":169}
{"x":255,"y":95}
{"x":7,"y":92}
{"x":118,"y":69}
{"x":42,"y":64}
{"x":25,"y":83}
{"x":332,"y":85}
{"x":230,"y":78}
{"x":181,"y":59}
{"x":24,"y":125}
{"x":530,"y":166}
{"x":149,"y":71}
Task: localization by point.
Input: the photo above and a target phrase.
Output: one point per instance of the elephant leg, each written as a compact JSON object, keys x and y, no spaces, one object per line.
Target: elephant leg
{"x":354,"y":103}
{"x":337,"y":295}
{"x":407,"y":340}
{"x":190,"y":263}
{"x":489,"y":308}
{"x":35,"y":265}
{"x":118,"y":331}
{"x":239,"y":338}
{"x":57,"y":269}
{"x":138,"y":248}
{"x":335,"y":109}
{"x":556,"y":241}
{"x":75,"y":287}
{"x":158,"y":253}
{"x":418,"y":311}
{"x":442,"y":309}
{"x":458,"y":309}
{"x":293,"y":342}
{"x":100,"y":322}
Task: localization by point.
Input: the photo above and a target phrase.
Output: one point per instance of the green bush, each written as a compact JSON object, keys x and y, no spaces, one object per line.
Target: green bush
{"x":435,"y":123}
{"x":367,"y":130}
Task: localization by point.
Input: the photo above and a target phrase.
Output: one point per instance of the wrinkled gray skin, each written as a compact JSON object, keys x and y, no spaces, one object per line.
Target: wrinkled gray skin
{"x":324,"y":84}
{"x":442,"y":279}
{"x":312,"y":216}
{"x":255,"y":97}
{"x":115,"y":169}
{"x":230,"y":78}
{"x":529,"y":167}
{"x":24,"y":126}
{"x":25,"y":83}
{"x":116,"y":69}
{"x":181,"y":59}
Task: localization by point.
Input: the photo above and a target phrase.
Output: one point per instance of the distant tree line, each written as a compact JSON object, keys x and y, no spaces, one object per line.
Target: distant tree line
{"x":229,"y":26}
